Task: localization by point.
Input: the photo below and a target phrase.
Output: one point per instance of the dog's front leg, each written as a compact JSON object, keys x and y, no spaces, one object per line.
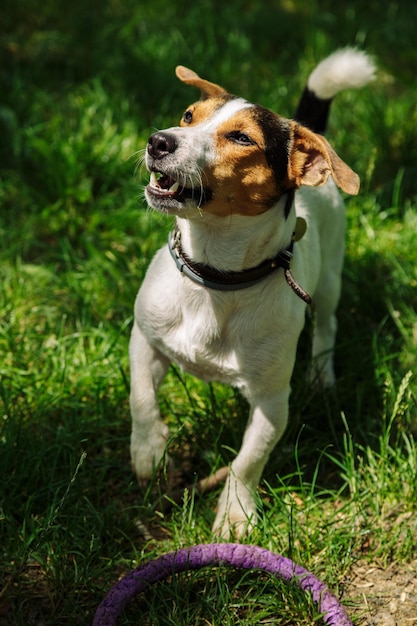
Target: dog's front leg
{"x":148,"y":367}
{"x":237,"y":508}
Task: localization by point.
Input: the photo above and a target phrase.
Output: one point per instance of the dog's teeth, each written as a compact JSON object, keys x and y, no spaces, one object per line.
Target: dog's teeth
{"x":174,"y":188}
{"x":154,"y":180}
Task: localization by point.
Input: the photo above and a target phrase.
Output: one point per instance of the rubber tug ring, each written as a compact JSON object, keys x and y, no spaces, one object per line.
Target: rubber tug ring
{"x":206,"y":555}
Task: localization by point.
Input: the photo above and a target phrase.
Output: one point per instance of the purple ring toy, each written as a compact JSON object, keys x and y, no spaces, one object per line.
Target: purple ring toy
{"x":235,"y":555}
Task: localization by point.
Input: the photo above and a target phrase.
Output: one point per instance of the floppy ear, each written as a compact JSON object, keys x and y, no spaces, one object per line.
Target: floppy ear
{"x":207,"y":89}
{"x":312,"y":160}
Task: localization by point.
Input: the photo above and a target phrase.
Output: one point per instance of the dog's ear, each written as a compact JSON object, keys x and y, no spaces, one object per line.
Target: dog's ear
{"x":312,"y":160}
{"x":208,"y":90}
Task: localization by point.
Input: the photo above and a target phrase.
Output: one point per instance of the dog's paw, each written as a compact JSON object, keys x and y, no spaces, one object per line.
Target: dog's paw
{"x":236,"y":513}
{"x":234,"y":528}
{"x":148,"y":452}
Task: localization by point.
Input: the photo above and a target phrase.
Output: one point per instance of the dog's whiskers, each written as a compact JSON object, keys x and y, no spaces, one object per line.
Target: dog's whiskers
{"x":140,"y":159}
{"x":200,"y":179}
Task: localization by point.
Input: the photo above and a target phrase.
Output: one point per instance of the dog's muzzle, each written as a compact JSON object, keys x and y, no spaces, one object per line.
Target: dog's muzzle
{"x":170,"y":188}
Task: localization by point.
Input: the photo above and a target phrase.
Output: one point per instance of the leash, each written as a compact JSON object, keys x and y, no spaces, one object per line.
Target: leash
{"x":235,"y":555}
{"x":213,"y":278}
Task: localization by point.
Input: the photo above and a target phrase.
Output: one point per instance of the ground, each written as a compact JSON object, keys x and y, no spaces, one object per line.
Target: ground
{"x":385,"y":596}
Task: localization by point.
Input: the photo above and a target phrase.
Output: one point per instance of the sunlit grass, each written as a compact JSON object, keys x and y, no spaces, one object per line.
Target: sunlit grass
{"x":82,"y":91}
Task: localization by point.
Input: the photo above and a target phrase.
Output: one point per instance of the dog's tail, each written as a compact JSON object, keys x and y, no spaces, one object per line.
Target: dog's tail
{"x":347,"y":68}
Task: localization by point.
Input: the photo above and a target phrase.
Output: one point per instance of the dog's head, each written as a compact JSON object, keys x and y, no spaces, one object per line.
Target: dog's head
{"x":231,"y":156}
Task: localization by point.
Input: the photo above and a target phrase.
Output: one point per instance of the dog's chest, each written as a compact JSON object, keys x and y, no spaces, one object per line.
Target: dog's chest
{"x":214,"y":337}
{"x":241,"y":338}
{"x":203,"y":339}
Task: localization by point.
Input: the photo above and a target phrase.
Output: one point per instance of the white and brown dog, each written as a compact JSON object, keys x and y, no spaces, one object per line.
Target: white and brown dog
{"x":220,"y":300}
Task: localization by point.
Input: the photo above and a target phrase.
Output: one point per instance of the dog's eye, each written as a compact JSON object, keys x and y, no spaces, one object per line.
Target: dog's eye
{"x":188,"y":117}
{"x":240,"y":138}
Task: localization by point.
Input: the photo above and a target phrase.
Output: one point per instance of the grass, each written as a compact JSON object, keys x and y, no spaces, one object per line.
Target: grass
{"x":81,"y":91}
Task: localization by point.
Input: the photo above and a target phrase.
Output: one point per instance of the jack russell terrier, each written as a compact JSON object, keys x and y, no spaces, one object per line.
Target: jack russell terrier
{"x":259,"y":232}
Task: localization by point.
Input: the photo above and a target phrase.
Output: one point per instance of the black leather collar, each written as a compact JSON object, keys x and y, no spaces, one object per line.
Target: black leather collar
{"x":213,"y":278}
{"x":225,"y":281}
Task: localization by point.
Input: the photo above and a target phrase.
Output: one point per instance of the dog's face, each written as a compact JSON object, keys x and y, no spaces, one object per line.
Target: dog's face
{"x":229,"y":156}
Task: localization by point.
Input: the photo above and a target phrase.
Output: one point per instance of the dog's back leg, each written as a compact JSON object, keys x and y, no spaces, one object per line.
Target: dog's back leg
{"x":326,"y":299}
{"x":325,"y":328}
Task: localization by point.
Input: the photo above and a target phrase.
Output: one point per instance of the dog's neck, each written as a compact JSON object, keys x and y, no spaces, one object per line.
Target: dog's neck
{"x":237,"y":242}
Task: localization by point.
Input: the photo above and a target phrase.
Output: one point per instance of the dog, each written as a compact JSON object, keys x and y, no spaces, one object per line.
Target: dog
{"x":259,"y":232}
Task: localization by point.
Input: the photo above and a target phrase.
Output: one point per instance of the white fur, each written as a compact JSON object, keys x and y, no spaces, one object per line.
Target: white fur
{"x":246,"y":338}
{"x":227,"y":111}
{"x":344,"y":69}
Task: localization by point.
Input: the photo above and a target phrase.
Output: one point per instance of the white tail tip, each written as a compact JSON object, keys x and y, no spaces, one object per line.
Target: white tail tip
{"x":347,"y":68}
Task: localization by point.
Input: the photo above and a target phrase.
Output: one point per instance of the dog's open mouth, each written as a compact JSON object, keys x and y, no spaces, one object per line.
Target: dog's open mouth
{"x":163,"y":185}
{"x":162,"y":188}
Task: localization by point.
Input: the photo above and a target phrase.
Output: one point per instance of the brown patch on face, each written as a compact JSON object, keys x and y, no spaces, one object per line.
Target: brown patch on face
{"x":201,"y":111}
{"x":241,"y":179}
{"x":244,"y":179}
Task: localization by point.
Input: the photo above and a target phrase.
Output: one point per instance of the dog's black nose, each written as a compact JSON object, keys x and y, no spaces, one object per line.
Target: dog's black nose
{"x":160,"y":144}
